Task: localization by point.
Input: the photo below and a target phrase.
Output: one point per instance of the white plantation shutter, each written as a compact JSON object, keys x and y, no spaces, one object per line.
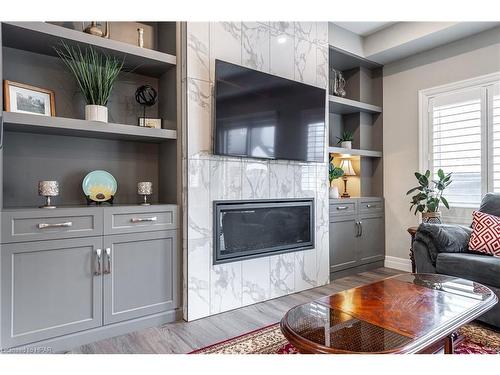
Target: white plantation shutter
{"x":456,"y":132}
{"x":494,"y":116}
{"x":462,"y":136}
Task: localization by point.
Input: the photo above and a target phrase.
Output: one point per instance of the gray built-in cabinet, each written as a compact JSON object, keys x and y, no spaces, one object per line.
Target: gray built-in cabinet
{"x":357,"y":227}
{"x":357,"y":239}
{"x":62,"y":285}
{"x":78,"y":273}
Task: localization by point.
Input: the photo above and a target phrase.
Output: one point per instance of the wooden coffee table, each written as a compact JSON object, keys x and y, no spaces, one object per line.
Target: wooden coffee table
{"x":408,"y":313}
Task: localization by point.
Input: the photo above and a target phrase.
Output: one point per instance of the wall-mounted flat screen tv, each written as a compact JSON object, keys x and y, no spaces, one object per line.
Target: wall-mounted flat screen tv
{"x":259,"y":115}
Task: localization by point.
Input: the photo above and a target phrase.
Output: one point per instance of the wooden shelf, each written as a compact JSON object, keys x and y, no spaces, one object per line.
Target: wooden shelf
{"x":346,"y":151}
{"x":343,"y":60}
{"x":41,"y":37}
{"x":20,"y":122}
{"x":343,"y":106}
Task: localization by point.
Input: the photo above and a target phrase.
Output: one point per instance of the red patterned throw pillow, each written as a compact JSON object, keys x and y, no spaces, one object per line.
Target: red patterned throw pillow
{"x":485,"y":236}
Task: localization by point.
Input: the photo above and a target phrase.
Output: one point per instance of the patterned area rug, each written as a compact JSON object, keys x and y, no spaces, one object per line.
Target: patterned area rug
{"x":270,"y":340}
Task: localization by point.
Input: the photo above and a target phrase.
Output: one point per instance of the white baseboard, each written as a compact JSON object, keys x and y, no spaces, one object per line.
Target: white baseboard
{"x":402,"y":264}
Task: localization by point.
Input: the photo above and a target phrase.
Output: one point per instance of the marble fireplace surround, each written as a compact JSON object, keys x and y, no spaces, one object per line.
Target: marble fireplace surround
{"x":294,"y":50}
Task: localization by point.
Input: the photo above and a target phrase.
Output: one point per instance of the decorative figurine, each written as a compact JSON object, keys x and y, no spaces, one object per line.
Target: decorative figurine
{"x":337,"y":83}
{"x":94,"y":29}
{"x":147,"y":97}
{"x":340,"y":85}
{"x":48,"y":189}
{"x":140,"y":37}
{"x":145,"y":188}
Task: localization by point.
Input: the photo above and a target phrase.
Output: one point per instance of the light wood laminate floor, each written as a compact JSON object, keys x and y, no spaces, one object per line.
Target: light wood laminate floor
{"x":184,"y":337}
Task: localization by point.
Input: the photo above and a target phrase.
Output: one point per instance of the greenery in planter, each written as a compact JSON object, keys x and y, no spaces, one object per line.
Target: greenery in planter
{"x":346,"y":136}
{"x":333,"y":171}
{"x":94,"y":72}
{"x":429,"y":192}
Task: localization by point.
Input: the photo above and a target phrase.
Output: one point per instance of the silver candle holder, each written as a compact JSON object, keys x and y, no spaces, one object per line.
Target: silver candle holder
{"x":48,"y":189}
{"x":145,"y":189}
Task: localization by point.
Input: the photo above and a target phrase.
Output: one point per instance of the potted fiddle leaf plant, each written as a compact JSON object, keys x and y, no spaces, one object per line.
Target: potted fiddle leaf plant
{"x":95,"y":74}
{"x":429,"y":195}
{"x":333,"y":174}
{"x":345,"y":140}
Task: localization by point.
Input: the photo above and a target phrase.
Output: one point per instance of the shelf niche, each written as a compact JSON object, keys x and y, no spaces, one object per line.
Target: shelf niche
{"x":50,"y":73}
{"x":365,"y":127}
{"x":65,"y":148}
{"x":368,"y":181}
{"x":363,"y":78}
{"x":29,"y":158}
{"x":359,"y":112}
{"x":40,"y":37}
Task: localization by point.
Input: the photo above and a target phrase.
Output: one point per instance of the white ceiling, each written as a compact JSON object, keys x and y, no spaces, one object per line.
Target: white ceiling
{"x":384,"y":42}
{"x":364,"y":28}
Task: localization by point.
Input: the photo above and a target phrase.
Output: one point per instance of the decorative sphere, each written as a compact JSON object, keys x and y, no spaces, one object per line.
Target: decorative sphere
{"x":146,"y":95}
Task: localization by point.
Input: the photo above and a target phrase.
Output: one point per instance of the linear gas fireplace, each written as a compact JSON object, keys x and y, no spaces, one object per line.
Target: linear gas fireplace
{"x":257,"y":228}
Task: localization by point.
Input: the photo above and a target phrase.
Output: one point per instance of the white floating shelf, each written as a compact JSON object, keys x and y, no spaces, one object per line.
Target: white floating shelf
{"x":357,"y":152}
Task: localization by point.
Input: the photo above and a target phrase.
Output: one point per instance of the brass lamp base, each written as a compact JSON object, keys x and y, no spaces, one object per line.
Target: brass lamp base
{"x":345,"y":194}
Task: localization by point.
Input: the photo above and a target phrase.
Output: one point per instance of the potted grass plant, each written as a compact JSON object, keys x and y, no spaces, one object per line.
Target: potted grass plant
{"x":95,"y":74}
{"x":429,"y":195}
{"x":333,"y":174}
{"x":345,"y":140}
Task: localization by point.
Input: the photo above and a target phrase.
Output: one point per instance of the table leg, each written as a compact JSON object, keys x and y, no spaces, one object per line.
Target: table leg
{"x":449,"y":344}
{"x":412,"y":260}
{"x":412,"y":231}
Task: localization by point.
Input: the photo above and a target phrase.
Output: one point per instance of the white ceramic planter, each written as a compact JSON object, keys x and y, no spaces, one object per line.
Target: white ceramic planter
{"x":334,"y":192}
{"x":346,"y":144}
{"x":96,"y":113}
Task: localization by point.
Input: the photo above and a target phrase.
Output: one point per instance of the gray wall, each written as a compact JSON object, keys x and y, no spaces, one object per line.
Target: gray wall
{"x":467,"y":58}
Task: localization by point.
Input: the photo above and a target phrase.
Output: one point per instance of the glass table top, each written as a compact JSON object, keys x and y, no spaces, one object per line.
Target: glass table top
{"x":387,"y":315}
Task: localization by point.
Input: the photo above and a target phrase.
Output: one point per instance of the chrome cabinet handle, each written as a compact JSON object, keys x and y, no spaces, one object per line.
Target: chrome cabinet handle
{"x":356,"y":223}
{"x":140,"y":219}
{"x":371,"y":205}
{"x":360,"y":228}
{"x":97,"y":265}
{"x":341,"y":208}
{"x":55,"y":225}
{"x":107,"y":269}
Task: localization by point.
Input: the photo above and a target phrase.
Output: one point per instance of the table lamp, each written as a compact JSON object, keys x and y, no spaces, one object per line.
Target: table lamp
{"x":346,"y":166}
{"x":145,"y":188}
{"x":48,"y":189}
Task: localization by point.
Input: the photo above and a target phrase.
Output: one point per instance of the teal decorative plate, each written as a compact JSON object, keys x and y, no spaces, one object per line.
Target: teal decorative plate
{"x":99,"y":186}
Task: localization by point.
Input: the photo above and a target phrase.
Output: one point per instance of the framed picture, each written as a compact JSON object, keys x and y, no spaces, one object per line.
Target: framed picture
{"x":22,"y":98}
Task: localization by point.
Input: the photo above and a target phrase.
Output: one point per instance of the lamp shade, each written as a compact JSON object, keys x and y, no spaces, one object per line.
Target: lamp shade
{"x":346,"y":166}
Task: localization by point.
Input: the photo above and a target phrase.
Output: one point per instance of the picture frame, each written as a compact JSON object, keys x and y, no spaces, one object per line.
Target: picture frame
{"x":23,"y":98}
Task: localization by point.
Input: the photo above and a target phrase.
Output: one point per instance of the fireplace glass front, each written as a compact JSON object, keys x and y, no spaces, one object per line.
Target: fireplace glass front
{"x":250,"y":229}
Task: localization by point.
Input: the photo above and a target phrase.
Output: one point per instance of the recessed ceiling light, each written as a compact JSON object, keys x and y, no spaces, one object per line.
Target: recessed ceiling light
{"x":282,"y":39}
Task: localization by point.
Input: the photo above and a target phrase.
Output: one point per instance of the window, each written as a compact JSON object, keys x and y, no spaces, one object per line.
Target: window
{"x":460,"y":133}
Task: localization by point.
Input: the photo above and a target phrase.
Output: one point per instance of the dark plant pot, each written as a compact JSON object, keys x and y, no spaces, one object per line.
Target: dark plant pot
{"x":432,"y":217}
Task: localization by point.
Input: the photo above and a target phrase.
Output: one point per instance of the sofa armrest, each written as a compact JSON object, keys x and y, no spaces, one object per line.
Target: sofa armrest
{"x":443,"y":238}
{"x":423,"y":261}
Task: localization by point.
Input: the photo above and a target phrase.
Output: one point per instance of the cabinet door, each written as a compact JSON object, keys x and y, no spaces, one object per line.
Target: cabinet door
{"x":50,"y":288}
{"x":141,"y":273}
{"x":372,"y":239}
{"x":343,"y":253}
